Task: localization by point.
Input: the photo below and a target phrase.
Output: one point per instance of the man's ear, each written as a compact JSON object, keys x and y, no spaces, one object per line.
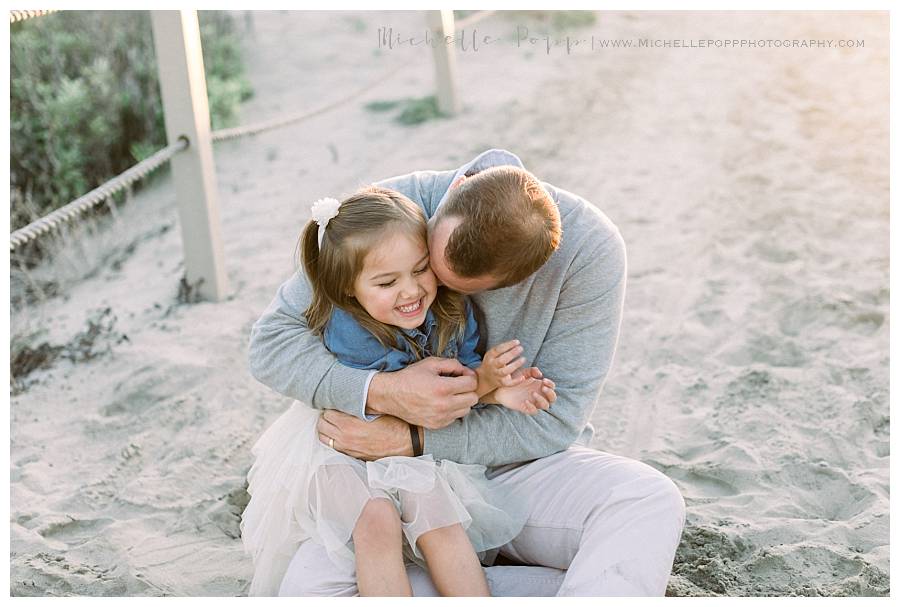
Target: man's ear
{"x":458,"y":181}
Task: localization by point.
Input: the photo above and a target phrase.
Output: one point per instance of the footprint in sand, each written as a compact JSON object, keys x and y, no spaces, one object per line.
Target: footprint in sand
{"x":817,"y":313}
{"x":754,"y":384}
{"x":767,"y":250}
{"x":57,"y":575}
{"x":73,"y":531}
{"x":824,"y":571}
{"x":103,"y":491}
{"x":700,"y":484}
{"x":141,"y":391}
{"x":819,"y":491}
{"x":867,"y":322}
{"x":697,"y":482}
{"x":766,"y":349}
{"x":226,"y":512}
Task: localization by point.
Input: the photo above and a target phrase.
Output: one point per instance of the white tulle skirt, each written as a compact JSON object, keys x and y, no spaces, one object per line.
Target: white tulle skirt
{"x":301,"y":489}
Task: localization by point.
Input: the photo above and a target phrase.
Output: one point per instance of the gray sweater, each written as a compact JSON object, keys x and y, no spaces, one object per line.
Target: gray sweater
{"x":566,"y":315}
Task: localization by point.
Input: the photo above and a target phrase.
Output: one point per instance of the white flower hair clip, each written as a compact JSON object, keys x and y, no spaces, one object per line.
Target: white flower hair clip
{"x":323,"y":210}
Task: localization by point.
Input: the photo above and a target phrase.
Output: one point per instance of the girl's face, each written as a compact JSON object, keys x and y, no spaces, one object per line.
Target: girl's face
{"x":396,"y":285}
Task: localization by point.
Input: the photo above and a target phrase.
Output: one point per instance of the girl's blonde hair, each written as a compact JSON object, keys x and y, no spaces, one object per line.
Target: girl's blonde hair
{"x":362,"y":221}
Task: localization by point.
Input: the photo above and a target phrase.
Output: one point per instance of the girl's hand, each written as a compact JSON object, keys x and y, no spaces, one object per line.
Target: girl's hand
{"x":529,"y":396}
{"x":499,"y":366}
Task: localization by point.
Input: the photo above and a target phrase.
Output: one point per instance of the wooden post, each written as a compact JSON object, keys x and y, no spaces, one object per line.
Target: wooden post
{"x":176,"y":36}
{"x":441,"y":24}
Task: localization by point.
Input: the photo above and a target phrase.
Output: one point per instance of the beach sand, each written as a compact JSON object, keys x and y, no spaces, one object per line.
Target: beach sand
{"x":750,"y":185}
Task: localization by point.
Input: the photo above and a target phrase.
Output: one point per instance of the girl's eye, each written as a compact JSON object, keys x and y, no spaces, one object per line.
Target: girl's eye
{"x":385,"y":285}
{"x":422,"y":270}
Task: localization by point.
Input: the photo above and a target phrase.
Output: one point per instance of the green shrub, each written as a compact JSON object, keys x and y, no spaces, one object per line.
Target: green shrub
{"x":85,"y":102}
{"x":412,"y":110}
{"x":559,"y":21}
{"x":422,"y":109}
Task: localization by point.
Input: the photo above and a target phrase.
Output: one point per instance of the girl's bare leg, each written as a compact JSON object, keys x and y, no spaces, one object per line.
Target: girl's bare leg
{"x":378,"y":542}
{"x":452,"y":562}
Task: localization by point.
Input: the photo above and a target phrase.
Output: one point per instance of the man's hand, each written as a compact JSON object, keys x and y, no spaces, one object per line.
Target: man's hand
{"x":431,"y":393}
{"x":364,"y":440}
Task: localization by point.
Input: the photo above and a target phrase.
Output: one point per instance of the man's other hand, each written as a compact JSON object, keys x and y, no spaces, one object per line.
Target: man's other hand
{"x":364,"y":440}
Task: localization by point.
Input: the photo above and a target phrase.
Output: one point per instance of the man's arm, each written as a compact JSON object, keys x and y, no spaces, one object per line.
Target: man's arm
{"x":577,"y":354}
{"x":292,"y":360}
{"x":422,"y":187}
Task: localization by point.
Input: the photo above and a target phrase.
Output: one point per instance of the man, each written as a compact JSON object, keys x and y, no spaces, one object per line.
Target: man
{"x":598,"y":524}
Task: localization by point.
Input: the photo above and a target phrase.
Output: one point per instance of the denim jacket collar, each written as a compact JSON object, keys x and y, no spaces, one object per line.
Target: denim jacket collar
{"x":425,"y":330}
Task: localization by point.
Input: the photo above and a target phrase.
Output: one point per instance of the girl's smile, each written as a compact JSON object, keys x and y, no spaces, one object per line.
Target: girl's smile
{"x":412,"y":309}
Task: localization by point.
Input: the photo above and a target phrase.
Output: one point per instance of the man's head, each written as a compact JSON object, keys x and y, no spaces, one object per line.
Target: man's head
{"x":494,"y":230}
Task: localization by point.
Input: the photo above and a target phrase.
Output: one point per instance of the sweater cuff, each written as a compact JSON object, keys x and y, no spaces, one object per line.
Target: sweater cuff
{"x":446,"y":443}
{"x":346,"y":391}
{"x":365,"y":399}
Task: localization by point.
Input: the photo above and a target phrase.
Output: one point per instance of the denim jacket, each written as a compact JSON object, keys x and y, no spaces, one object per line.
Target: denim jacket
{"x":356,"y":347}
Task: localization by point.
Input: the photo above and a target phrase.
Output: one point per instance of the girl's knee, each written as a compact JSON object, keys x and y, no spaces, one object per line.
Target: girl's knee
{"x":378,"y":521}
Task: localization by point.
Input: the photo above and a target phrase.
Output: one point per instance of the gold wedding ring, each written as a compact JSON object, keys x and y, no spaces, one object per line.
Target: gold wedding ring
{"x":331,"y":443}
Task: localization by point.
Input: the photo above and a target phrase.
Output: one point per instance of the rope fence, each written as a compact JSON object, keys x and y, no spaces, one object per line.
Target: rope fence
{"x":253,"y":129}
{"x":15,"y":16}
{"x":94,"y":197}
{"x":105,"y":191}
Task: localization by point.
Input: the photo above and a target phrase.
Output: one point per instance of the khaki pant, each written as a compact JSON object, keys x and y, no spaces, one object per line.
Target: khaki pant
{"x":598,"y":525}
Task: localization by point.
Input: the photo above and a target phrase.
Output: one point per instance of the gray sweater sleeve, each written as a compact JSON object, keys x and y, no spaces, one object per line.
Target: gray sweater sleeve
{"x":576,"y":353}
{"x":288,"y":357}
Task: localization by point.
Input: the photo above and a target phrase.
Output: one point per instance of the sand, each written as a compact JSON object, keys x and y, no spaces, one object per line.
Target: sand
{"x":751,"y":187}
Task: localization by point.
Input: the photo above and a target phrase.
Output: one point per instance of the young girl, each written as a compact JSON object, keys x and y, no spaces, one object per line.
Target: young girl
{"x":377,"y":305}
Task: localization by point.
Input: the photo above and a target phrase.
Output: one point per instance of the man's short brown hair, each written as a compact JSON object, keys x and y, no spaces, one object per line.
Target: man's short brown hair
{"x":510,"y":225}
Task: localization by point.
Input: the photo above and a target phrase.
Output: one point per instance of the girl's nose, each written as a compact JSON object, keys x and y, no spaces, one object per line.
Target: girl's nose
{"x":410,"y":288}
